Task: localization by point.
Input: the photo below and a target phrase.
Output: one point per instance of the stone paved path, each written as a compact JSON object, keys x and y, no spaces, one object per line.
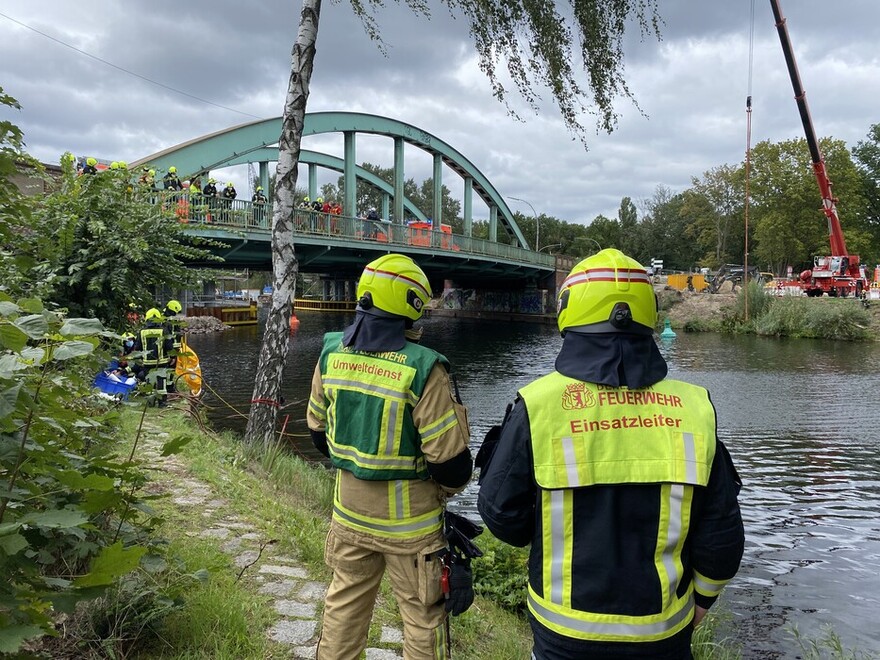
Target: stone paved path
{"x":298,"y":597}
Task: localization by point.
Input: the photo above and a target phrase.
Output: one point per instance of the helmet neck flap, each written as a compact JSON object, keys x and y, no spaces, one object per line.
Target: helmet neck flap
{"x":375,"y":331}
{"x":613,"y":359}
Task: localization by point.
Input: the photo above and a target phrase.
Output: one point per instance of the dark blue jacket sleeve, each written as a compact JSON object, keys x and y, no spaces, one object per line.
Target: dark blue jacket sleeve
{"x":508,"y":491}
{"x":717,"y":537}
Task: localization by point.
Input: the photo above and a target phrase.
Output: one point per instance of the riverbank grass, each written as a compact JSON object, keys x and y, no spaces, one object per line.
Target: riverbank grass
{"x":289,"y":501}
{"x":770,"y":316}
{"x":828,"y":646}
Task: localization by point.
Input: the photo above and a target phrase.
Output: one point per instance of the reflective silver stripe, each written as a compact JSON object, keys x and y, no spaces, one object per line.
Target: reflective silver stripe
{"x":421,"y":525}
{"x":570,"y":462}
{"x":557,"y":538}
{"x":402,"y":462}
{"x":439,"y":426}
{"x":673,"y":536}
{"x":369,"y":387}
{"x":398,"y":276}
{"x":391,"y":427}
{"x":690,"y":458}
{"x":319,"y":411}
{"x":707,"y":588}
{"x":634,"y":630}
{"x":398,"y":498}
{"x":605,"y":274}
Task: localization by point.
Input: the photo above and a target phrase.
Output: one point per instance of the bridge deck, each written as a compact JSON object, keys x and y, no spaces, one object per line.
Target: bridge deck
{"x":343,"y":244}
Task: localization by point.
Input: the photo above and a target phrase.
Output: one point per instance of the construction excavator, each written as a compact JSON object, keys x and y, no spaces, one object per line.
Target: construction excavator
{"x":840,"y":273}
{"x":733,"y":273}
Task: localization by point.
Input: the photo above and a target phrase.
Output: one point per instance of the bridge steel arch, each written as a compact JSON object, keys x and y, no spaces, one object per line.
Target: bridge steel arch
{"x":329,"y":162}
{"x":238,"y":143}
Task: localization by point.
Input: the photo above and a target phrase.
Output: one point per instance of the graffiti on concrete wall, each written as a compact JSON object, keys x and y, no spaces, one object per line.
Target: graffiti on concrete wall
{"x":517,"y":302}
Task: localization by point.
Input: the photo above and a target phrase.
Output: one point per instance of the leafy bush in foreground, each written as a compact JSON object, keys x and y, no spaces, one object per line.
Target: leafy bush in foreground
{"x":70,"y":520}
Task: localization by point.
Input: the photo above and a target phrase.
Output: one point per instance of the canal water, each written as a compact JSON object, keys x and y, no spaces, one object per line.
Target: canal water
{"x":801,"y":419}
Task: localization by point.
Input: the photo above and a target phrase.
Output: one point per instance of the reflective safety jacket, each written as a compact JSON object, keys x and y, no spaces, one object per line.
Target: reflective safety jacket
{"x":629,"y":502}
{"x":585,"y":435}
{"x":155,"y":344}
{"x":385,"y":416}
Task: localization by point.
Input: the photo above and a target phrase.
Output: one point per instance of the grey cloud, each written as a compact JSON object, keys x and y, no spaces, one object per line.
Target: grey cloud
{"x":692,"y":87}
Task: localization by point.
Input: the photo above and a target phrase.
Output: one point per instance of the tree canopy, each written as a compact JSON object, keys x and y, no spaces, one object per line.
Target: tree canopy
{"x":98,"y":243}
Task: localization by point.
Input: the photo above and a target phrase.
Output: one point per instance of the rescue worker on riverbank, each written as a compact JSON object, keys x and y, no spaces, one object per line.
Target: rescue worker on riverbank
{"x":174,"y":324}
{"x":385,"y":410}
{"x":616,"y":477}
{"x":156,"y":344}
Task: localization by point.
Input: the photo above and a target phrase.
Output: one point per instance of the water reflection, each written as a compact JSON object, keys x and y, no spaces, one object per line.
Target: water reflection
{"x":800,"y":418}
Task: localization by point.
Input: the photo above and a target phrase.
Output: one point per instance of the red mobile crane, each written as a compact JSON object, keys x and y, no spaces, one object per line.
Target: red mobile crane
{"x":838,"y":274}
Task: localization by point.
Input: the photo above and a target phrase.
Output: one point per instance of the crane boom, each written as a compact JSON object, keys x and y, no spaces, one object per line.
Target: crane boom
{"x":829,"y":207}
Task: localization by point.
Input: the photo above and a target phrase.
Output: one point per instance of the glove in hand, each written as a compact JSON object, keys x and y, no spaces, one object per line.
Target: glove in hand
{"x":461,"y":587}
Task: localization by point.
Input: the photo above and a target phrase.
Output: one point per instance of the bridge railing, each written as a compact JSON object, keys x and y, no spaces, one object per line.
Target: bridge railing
{"x":243,"y":215}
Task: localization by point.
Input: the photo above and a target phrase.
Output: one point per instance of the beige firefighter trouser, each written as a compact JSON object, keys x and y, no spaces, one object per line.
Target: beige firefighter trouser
{"x":357,"y":572}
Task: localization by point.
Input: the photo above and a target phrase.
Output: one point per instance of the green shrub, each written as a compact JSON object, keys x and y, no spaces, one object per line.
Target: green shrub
{"x":71,"y":517}
{"x":814,"y":318}
{"x":751,"y":298}
{"x":501,"y":574}
{"x":702,"y":324}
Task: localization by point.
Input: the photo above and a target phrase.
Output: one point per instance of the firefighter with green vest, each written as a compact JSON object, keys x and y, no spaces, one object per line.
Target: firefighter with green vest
{"x":385,"y":410}
{"x":174,"y":324}
{"x":615,"y":475}
{"x":155,"y":344}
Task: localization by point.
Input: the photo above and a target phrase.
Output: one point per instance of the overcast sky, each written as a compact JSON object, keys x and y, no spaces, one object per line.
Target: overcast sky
{"x":692,"y":87}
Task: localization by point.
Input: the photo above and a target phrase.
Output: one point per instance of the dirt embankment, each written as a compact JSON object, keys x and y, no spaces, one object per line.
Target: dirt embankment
{"x":680,"y":307}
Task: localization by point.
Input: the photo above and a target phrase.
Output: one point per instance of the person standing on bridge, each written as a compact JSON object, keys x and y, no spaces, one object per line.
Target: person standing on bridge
{"x":259,"y":201}
{"x":228,"y":195}
{"x":171,"y":181}
{"x":209,"y":192}
{"x":386,"y":411}
{"x":616,"y":477}
{"x":335,"y":212}
{"x":315,"y":217}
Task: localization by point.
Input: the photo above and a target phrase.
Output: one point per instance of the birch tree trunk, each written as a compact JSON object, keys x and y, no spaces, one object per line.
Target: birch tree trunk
{"x":273,"y":353}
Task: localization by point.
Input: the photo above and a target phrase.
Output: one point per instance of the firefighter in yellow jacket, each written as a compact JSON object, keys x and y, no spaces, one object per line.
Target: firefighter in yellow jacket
{"x":615,"y":475}
{"x":385,"y":410}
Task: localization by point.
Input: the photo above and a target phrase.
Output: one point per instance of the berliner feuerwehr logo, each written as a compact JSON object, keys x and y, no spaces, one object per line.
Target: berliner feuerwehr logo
{"x":576,"y":395}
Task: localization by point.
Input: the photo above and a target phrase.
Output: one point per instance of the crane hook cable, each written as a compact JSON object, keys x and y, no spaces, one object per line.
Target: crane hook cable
{"x":748,"y":157}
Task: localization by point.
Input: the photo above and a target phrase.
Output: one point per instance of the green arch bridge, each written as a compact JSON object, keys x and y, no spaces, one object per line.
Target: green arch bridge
{"x":341,"y":245}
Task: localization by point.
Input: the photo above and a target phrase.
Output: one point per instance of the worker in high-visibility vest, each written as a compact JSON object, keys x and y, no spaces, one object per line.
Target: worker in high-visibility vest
{"x":385,"y":410}
{"x":155,"y":345}
{"x":616,"y":477}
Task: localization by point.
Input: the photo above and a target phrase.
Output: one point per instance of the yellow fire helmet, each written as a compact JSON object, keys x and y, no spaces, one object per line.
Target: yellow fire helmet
{"x":608,"y":292}
{"x":174,"y":306}
{"x":394,"y":284}
{"x":172,"y":170}
{"x":91,"y":162}
{"x":153,"y":314}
